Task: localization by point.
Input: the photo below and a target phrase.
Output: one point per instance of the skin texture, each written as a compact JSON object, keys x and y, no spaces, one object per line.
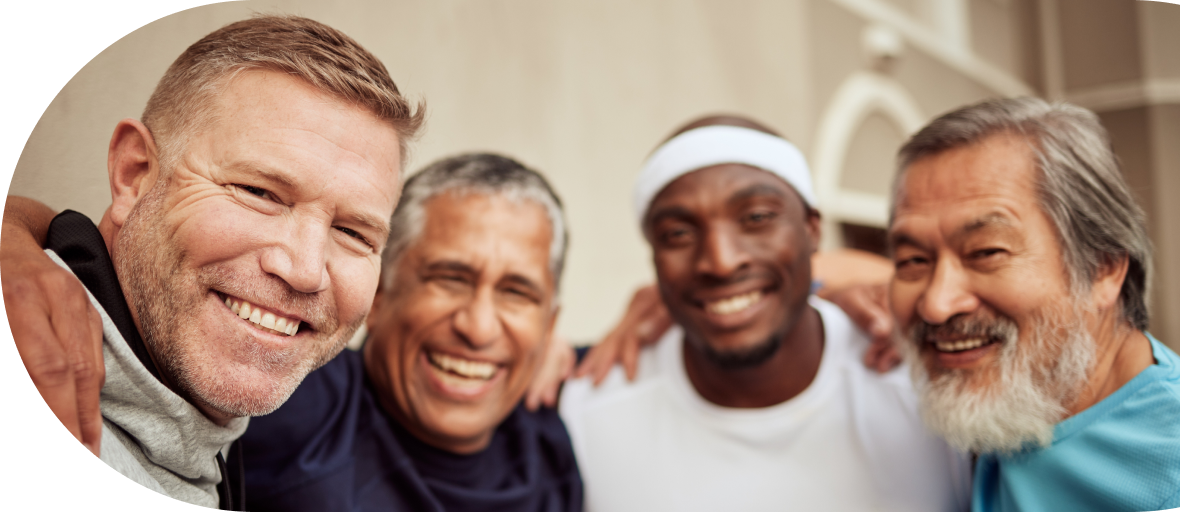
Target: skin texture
{"x":970,"y":240}
{"x":725,"y":231}
{"x":282,"y":201}
{"x":475,"y":285}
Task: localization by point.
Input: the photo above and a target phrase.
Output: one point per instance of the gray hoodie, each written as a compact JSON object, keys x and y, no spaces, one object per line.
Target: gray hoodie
{"x":152,"y":435}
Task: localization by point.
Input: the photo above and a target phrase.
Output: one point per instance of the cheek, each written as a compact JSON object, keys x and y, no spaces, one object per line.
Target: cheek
{"x":211,"y":231}
{"x":355,"y":286}
{"x":902,"y":300}
{"x":527,"y":333}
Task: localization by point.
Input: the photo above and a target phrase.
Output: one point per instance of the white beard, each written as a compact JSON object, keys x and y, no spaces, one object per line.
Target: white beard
{"x":1036,"y":377}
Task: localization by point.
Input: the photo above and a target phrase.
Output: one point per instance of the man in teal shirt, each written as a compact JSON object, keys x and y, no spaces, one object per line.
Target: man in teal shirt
{"x":1022,"y":264}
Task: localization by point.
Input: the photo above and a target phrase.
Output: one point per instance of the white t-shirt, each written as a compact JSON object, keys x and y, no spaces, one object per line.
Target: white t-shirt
{"x":852,"y":440}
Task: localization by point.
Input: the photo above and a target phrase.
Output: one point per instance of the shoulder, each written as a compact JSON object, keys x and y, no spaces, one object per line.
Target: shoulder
{"x":546,"y":428}
{"x":582,"y":395}
{"x":316,"y":426}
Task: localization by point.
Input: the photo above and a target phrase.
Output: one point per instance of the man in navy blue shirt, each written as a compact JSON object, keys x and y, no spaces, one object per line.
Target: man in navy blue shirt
{"x":428,"y":415}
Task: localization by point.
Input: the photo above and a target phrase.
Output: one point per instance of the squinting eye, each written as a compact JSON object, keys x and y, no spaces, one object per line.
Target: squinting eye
{"x":260,"y":192}
{"x":355,"y":235}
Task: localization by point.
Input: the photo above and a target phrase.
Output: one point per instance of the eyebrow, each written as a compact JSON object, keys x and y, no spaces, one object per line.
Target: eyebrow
{"x":752,"y":191}
{"x":756,"y":190}
{"x":373,"y":222}
{"x":983,"y":222}
{"x":675,"y":212}
{"x":460,"y":267}
{"x":899,"y":239}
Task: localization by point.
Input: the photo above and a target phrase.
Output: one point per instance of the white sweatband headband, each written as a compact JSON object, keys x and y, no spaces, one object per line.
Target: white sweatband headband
{"x":715,"y":145}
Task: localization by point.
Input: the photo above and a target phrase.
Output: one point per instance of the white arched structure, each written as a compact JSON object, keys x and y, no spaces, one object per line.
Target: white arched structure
{"x":860,"y":95}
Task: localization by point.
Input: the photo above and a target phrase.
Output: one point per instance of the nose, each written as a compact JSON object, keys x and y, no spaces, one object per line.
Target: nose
{"x":477,"y":322}
{"x":948,"y":293}
{"x":721,"y":253}
{"x":300,"y":257}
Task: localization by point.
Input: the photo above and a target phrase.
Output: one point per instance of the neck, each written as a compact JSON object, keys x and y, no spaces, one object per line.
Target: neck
{"x":1121,"y":352}
{"x":786,"y":374}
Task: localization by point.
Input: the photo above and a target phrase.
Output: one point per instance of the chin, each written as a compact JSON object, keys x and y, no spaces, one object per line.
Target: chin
{"x":241,"y":390}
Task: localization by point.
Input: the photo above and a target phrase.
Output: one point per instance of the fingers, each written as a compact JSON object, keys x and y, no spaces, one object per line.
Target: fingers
{"x":46,"y":361}
{"x":555,"y":368}
{"x":600,"y":358}
{"x":58,"y":334}
{"x":90,"y":385}
{"x":644,"y":323}
{"x":882,"y":356}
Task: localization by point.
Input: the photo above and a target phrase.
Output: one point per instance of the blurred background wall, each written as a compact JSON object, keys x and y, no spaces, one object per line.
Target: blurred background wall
{"x":583,"y":91}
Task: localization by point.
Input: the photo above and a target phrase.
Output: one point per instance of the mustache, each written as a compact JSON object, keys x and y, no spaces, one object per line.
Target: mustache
{"x":961,"y":326}
{"x":267,"y":290}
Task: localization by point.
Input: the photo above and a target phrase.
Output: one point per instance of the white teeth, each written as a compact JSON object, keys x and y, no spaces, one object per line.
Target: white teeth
{"x":463,"y":367}
{"x":263,"y":319}
{"x":268,"y":320}
{"x":734,"y":304}
{"x":960,"y":345}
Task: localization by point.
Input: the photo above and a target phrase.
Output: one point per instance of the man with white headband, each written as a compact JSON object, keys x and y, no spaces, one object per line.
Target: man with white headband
{"x":757,"y":399}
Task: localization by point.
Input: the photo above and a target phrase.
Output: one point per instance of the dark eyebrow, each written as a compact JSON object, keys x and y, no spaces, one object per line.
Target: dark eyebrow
{"x":985,"y":221}
{"x":899,"y":239}
{"x":756,"y":190}
{"x":674,"y":212}
{"x":525,"y":281}
{"x":451,"y":265}
{"x":463,"y":268}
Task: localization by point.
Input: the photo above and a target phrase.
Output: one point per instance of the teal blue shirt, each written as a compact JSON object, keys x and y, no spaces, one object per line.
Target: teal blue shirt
{"x":1122,"y":453}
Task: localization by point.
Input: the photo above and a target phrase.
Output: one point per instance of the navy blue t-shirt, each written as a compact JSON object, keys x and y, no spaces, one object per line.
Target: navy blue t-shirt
{"x":332,"y":447}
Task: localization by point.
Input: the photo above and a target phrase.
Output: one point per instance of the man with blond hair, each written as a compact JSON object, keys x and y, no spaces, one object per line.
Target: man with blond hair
{"x":241,"y":250}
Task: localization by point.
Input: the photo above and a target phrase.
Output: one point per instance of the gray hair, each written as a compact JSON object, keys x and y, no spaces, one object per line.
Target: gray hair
{"x":1079,"y":186}
{"x":473,"y":173}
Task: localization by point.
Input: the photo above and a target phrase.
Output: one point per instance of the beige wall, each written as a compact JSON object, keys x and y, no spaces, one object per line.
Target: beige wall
{"x":582,"y":91}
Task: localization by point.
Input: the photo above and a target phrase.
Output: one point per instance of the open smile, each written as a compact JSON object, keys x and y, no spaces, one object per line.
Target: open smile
{"x":727,"y":312}
{"x":261,"y":318}
{"x":461,"y":376}
{"x":734,"y":304}
{"x":963,"y":345}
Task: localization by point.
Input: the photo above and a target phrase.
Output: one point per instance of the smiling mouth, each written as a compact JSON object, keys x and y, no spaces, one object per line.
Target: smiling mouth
{"x":962,"y":345}
{"x":465,"y":369}
{"x":262,"y":319}
{"x":734,"y":304}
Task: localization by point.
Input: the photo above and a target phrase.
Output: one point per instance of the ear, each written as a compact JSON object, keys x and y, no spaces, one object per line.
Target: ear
{"x":814,"y":223}
{"x":1109,"y":282}
{"x":132,"y":166}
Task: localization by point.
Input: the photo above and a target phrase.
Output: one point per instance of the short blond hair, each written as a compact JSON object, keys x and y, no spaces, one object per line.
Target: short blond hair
{"x":316,"y":53}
